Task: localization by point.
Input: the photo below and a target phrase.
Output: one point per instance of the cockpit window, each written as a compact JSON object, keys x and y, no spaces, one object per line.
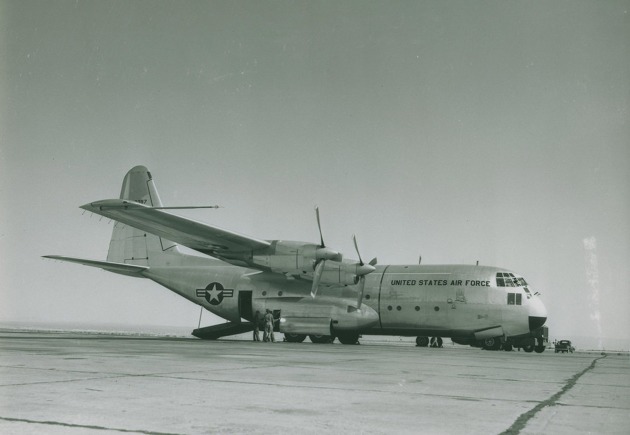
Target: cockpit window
{"x":514,"y":299}
{"x":507,"y":279}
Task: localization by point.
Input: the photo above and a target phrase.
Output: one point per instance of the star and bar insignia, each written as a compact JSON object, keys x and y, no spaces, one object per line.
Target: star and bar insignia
{"x":214,"y":293}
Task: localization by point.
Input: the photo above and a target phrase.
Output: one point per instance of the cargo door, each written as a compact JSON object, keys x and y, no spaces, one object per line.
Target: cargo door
{"x":245,"y":305}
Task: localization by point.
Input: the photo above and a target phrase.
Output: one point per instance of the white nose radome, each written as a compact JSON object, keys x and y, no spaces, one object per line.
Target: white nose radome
{"x":537,"y":314}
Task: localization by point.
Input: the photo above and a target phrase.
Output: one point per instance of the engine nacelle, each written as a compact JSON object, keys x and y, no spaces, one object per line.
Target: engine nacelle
{"x":295,"y":258}
{"x":339,"y":273}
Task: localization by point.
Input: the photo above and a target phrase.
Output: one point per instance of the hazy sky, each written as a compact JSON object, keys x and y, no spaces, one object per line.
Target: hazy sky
{"x":460,"y":131}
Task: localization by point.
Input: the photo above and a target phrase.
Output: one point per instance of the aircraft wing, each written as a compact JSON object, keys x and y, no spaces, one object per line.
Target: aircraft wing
{"x":226,"y":245}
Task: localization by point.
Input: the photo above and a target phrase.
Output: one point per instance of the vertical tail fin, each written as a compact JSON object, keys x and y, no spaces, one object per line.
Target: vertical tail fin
{"x":130,"y":245}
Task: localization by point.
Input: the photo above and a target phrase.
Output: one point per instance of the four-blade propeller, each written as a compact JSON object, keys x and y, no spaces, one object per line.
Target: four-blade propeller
{"x":362,"y":270}
{"x":322,"y":254}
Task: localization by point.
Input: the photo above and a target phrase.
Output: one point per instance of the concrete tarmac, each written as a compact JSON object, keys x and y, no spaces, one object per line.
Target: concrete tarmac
{"x":83,"y":384}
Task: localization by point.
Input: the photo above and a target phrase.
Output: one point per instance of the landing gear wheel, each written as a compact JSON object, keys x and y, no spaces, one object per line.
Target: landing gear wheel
{"x":436,"y":342}
{"x":507,"y":347}
{"x":492,"y":343}
{"x":528,"y":348}
{"x":539,"y":348}
{"x":422,"y":341}
{"x":294,"y":338}
{"x":321,"y":339}
{"x":348,"y":338}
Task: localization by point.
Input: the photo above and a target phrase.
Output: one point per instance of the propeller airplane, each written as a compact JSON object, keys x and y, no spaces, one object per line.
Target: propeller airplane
{"x":311,"y":289}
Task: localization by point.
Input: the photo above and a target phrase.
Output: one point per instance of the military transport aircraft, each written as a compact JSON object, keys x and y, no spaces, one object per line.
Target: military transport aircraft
{"x":310,"y":288}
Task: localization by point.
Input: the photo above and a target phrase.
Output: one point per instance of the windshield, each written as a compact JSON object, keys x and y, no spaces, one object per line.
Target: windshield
{"x":507,"y":279}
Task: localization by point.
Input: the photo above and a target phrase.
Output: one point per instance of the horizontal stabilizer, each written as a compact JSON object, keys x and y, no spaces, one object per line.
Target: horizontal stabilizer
{"x":222,"y":330}
{"x":122,"y":268}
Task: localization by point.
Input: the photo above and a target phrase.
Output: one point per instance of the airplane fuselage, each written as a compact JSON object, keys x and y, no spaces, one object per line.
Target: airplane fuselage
{"x":463,"y":301}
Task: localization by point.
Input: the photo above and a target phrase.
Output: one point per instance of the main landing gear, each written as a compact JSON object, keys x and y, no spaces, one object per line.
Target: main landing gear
{"x":529,"y":344}
{"x":492,"y":343}
{"x":429,"y":342}
{"x":294,"y":338}
{"x":533,"y":345}
{"x":321,"y":339}
{"x":349,"y":338}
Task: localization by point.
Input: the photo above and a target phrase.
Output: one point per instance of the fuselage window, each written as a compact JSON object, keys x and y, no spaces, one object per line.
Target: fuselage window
{"x":519,"y":299}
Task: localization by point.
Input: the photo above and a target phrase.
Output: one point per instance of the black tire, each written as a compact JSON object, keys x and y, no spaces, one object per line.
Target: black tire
{"x":492,"y":343}
{"x":507,"y":347}
{"x":321,"y":339}
{"x":539,"y":349}
{"x":294,"y":338}
{"x":348,"y":338}
{"x":422,"y":341}
{"x":528,"y":348}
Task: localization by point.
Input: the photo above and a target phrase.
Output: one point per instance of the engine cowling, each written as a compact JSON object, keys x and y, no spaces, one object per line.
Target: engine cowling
{"x":299,"y":259}
{"x":295,"y":258}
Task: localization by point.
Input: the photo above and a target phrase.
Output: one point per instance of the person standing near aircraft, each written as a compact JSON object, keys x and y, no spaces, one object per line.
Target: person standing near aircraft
{"x":268,"y":336}
{"x":257,"y":322}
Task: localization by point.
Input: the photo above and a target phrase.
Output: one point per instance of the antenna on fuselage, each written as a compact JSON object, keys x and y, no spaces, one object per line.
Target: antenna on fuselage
{"x":420,"y":259}
{"x":477,"y":262}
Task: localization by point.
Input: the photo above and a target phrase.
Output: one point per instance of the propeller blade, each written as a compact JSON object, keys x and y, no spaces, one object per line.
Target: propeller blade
{"x":373,"y":262}
{"x":360,"y":289}
{"x":354,"y":239}
{"x":319,"y":225}
{"x":317,"y":276}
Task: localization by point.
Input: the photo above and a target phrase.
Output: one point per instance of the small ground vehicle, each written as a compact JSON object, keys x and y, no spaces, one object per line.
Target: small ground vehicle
{"x":564,"y":346}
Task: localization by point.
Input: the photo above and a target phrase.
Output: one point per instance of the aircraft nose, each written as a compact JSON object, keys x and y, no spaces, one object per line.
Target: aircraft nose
{"x":537,"y":314}
{"x":536,"y":322}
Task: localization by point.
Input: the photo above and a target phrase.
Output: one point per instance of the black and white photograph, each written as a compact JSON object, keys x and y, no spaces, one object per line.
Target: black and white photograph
{"x":306,"y":217}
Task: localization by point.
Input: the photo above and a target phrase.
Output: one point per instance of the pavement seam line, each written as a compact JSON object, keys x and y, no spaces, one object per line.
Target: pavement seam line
{"x":521,"y":421}
{"x":83,"y":426}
